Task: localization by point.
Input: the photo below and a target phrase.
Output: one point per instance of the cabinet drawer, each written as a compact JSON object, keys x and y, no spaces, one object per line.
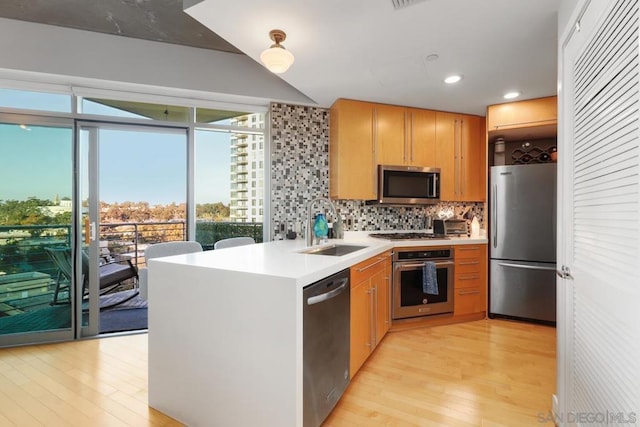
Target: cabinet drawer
{"x":469,"y":301}
{"x":469,"y":265}
{"x":469,"y":251}
{"x":469,"y":280}
{"x":366,"y":269}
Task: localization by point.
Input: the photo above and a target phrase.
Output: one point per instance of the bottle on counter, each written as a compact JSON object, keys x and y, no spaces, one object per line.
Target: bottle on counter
{"x":330,"y":234}
{"x":475,"y":228}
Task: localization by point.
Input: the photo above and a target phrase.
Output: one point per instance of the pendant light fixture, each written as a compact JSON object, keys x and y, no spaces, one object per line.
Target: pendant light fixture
{"x":277,"y":59}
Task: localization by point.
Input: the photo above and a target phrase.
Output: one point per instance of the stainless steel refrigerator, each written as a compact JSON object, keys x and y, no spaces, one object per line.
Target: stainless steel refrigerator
{"x":523,"y":241}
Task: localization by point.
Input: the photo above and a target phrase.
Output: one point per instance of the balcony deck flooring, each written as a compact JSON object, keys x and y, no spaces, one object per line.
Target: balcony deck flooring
{"x":48,"y":317}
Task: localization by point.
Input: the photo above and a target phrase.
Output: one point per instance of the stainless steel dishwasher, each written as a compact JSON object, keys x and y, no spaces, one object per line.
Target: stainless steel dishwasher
{"x":325,"y":317}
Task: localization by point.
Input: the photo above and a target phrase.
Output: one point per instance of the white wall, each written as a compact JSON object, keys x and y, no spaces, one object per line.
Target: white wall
{"x":77,"y":55}
{"x":564,"y":13}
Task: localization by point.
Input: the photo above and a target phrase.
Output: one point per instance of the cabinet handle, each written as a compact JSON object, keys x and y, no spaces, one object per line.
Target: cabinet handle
{"x":374,"y":160}
{"x":472,"y":248}
{"x":360,"y":270}
{"x":473,"y":292}
{"x":469,"y":278}
{"x":469,"y":263}
{"x":411,"y":140}
{"x":404,"y":154}
{"x":456,"y":169}
{"x":373,"y":308}
{"x":462,"y":166}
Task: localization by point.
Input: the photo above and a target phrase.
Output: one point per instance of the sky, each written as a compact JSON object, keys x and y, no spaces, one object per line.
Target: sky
{"x":151,"y":167}
{"x":134,"y":166}
{"x":36,"y":161}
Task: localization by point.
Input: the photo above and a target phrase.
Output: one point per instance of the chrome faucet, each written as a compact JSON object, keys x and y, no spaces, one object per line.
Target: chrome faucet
{"x":337,"y":220}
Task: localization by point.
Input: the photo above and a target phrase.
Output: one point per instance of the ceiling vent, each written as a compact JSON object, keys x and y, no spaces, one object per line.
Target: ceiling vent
{"x":401,"y":4}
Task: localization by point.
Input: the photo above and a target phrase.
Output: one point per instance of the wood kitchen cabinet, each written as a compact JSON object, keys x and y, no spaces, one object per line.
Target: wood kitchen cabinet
{"x":364,"y":135}
{"x":352,"y":157}
{"x":523,"y":114}
{"x":470,"y":279}
{"x":422,"y":130}
{"x":370,"y":307}
{"x":461,"y":155}
{"x":391,"y":138}
{"x":405,"y":136}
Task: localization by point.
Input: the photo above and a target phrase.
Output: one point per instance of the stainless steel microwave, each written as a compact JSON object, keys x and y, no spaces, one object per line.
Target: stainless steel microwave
{"x":407,"y":185}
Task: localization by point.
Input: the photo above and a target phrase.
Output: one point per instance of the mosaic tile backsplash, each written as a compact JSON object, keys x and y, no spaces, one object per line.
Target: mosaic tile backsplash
{"x":300,"y":172}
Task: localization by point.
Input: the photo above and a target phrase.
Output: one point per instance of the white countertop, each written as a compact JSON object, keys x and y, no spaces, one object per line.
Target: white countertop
{"x":284,"y":258}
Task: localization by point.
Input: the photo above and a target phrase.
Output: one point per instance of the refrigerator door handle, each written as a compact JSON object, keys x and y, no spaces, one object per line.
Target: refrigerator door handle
{"x":530,"y":267}
{"x":494,"y":215}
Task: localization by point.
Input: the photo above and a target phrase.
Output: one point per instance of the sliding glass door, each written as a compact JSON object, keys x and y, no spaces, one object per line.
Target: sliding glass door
{"x":37,"y":279}
{"x":133,"y":184}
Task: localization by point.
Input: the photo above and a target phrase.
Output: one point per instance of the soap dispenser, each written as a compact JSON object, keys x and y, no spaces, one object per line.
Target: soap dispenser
{"x":320,"y":227}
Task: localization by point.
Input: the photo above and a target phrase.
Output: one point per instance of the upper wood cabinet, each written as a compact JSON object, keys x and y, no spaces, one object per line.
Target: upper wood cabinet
{"x":531,"y":113}
{"x":405,"y":136}
{"x":352,"y":157}
{"x":391,"y":137}
{"x":461,"y":155}
{"x":422,"y":130}
{"x":364,"y":135}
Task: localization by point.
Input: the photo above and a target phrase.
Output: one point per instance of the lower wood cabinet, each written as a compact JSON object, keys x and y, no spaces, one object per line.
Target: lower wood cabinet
{"x":370,"y":307}
{"x":470,"y":282}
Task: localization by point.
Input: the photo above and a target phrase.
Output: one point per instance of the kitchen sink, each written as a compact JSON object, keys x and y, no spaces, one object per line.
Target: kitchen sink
{"x":333,"y":250}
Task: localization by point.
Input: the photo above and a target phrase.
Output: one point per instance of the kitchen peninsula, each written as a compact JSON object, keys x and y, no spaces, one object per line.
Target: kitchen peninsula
{"x":226,"y":332}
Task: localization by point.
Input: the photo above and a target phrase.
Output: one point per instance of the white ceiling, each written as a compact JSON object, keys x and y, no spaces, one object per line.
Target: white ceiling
{"x":366,"y":49}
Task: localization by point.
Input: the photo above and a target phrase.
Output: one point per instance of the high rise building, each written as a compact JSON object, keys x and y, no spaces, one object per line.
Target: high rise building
{"x":247,"y":170}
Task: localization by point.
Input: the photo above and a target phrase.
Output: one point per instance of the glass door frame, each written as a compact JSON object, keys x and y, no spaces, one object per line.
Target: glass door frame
{"x":92,"y":175}
{"x":51,"y":335}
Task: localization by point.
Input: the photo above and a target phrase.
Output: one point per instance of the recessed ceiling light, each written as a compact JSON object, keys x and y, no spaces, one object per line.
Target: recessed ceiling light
{"x":453,"y":79}
{"x":511,"y":95}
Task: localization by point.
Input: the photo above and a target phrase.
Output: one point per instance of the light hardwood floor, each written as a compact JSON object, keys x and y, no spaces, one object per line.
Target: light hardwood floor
{"x":486,"y":373}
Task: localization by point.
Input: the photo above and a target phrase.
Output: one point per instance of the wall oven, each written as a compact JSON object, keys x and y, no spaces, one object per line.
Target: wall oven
{"x":409,"y":300}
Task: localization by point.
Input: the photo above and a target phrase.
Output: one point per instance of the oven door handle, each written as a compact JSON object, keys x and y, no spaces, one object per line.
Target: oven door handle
{"x":421,"y":264}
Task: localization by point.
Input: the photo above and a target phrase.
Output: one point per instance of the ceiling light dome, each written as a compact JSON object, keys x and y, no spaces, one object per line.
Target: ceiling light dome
{"x":277,"y":59}
{"x":454,"y":78}
{"x":511,"y":95}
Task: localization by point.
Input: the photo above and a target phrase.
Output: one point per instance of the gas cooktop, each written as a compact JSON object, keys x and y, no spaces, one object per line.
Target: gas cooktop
{"x":408,"y":236}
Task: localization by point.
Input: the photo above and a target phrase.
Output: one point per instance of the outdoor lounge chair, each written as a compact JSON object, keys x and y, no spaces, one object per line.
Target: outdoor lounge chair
{"x":111,"y":273}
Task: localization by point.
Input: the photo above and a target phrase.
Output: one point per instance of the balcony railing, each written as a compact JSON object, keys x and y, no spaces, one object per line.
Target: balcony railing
{"x":27,"y":274}
{"x":22,"y":246}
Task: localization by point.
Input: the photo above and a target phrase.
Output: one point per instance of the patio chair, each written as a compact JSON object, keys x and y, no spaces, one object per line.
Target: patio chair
{"x":111,"y":274}
{"x":233,"y":241}
{"x":163,"y":249}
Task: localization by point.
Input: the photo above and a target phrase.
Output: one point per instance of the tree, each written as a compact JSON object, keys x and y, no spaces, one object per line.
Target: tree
{"x":24,"y":212}
{"x":213,"y":211}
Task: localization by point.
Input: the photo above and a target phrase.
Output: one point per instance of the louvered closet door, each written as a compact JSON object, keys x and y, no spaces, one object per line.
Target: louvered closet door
{"x":599,"y":321}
